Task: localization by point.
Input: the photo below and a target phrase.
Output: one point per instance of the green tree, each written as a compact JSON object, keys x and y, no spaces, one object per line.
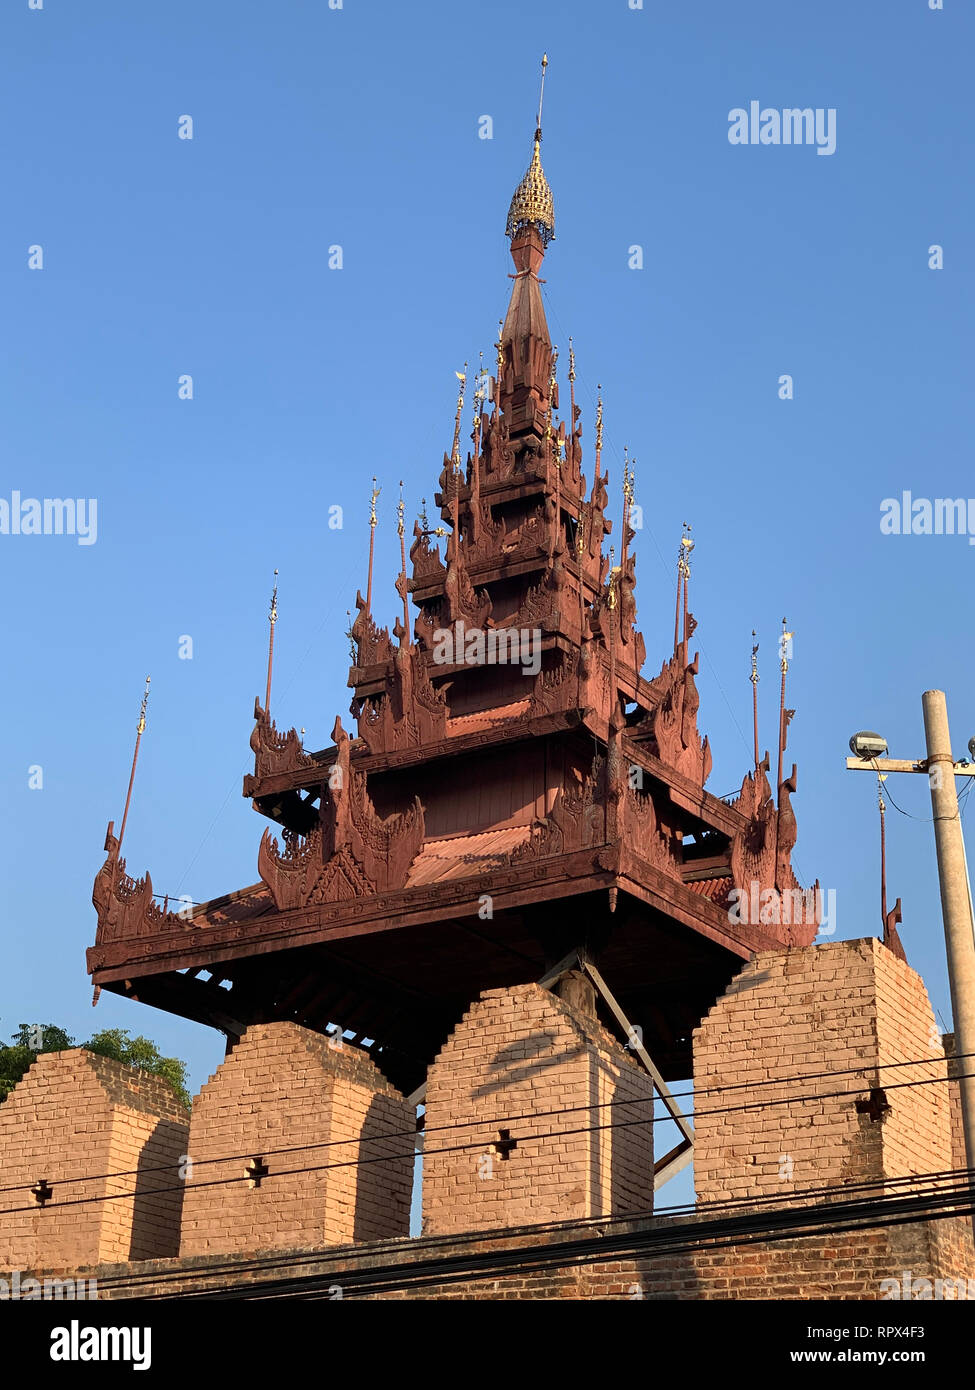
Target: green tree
{"x":142,"y":1053}
{"x":26,"y":1044}
{"x":31,"y":1040}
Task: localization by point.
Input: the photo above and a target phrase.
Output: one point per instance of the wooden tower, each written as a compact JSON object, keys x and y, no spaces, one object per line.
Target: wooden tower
{"x":514,"y":790}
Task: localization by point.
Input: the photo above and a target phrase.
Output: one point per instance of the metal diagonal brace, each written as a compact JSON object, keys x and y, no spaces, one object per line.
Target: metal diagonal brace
{"x":679,"y":1157}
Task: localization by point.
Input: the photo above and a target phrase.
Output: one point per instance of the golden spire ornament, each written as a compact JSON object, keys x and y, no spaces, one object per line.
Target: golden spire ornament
{"x":372,"y":542}
{"x":532,"y":204}
{"x":455,"y":447}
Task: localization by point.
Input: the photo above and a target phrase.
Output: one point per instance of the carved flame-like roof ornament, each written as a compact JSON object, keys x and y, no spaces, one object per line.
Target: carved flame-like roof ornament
{"x":532,"y":204}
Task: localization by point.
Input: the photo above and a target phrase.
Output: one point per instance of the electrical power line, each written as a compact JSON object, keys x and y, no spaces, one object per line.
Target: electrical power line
{"x":458,"y":1148}
{"x":508,"y":1119}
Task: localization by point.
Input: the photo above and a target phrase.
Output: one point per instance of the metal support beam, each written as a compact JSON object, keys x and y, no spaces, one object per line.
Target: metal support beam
{"x":678,"y":1158}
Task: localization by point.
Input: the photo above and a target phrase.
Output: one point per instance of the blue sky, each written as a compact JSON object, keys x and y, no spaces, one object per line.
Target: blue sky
{"x":359,"y":127}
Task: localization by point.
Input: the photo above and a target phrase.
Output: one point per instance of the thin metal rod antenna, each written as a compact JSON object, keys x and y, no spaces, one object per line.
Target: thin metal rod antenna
{"x":541,"y":93}
{"x":139,"y":731}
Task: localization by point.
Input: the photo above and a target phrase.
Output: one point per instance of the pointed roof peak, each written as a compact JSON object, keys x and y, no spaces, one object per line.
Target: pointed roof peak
{"x":532,"y":204}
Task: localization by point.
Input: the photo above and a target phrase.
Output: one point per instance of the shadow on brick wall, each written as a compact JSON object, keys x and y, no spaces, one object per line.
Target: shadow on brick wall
{"x":383,"y":1190}
{"x":158,"y":1203}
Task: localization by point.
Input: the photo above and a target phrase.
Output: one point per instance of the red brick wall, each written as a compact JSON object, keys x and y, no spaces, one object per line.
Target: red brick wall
{"x":853,"y":1265}
{"x":523,"y":1052}
{"x":78,"y":1116}
{"x":284,"y":1087}
{"x":832,"y":1008}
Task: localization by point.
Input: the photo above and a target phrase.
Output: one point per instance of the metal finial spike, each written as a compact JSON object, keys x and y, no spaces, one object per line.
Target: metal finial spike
{"x":532,"y":203}
{"x":372,"y":502}
{"x":400,"y":507}
{"x":140,"y":727}
{"x":541,"y":96}
{"x":455,"y":448}
{"x":273,"y":614}
{"x":572,"y":362}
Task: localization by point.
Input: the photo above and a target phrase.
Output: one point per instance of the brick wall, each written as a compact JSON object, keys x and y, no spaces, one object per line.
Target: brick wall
{"x":75,"y":1115}
{"x":845,"y":1266}
{"x":516,"y":1054}
{"x":284,"y":1087}
{"x":832,"y":1008}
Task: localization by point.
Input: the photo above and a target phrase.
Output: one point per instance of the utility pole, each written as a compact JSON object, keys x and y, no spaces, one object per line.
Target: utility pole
{"x":956,"y":903}
{"x":955,"y":900}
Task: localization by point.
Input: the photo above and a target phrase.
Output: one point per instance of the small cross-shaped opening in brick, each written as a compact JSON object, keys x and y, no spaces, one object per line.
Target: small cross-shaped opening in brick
{"x":42,"y":1192}
{"x":256,"y":1169}
{"x":876,"y":1105}
{"x":504,"y":1144}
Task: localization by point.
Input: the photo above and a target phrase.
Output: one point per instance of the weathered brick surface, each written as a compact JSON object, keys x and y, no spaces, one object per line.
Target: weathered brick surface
{"x":517,"y":1056}
{"x":75,"y":1115}
{"x":842,"y":1007}
{"x":844,"y":1266}
{"x":283,"y":1087}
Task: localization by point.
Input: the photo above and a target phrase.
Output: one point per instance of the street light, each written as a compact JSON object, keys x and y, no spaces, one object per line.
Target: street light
{"x":866,"y":745}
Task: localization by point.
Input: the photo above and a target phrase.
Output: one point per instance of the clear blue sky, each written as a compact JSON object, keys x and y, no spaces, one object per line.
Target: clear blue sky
{"x":359,"y":127}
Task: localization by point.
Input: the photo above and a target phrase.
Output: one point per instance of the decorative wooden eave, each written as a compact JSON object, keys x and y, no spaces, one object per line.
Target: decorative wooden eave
{"x":526,"y":884}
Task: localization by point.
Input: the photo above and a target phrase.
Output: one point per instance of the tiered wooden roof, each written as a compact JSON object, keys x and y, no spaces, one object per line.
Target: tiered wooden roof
{"x":483,"y":818}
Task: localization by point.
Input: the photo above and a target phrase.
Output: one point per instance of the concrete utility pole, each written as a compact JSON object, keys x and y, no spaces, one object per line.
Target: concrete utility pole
{"x":956,"y":903}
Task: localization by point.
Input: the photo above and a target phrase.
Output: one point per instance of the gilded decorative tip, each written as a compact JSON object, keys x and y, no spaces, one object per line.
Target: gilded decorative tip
{"x":372,"y":503}
{"x":532,"y":204}
{"x":400,"y":507}
{"x":140,"y":727}
{"x":785,"y":647}
{"x":273,"y":614}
